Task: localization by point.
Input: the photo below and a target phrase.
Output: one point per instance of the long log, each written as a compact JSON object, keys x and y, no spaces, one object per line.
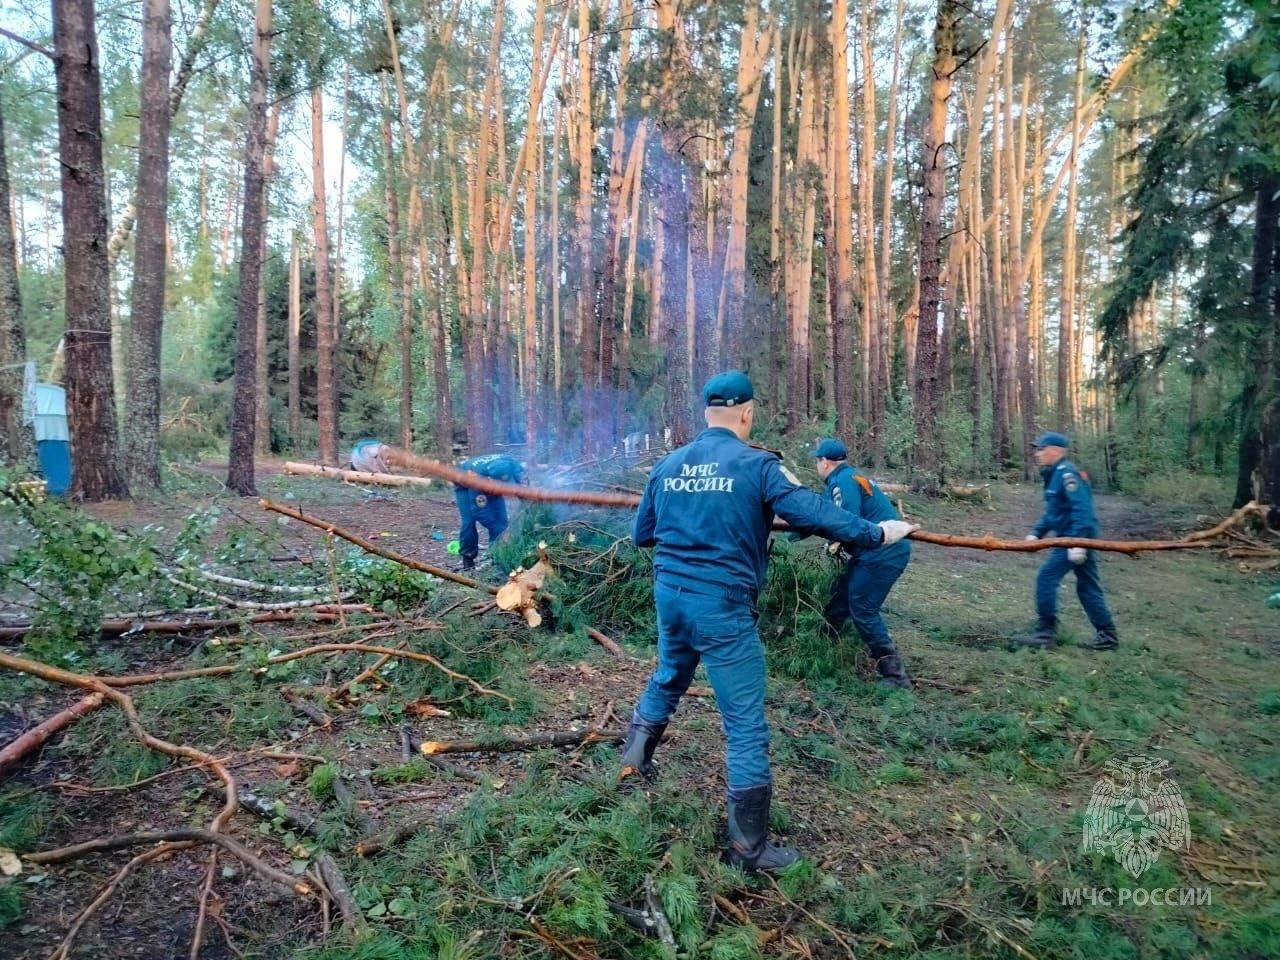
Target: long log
{"x":38,"y":735}
{"x":118,"y":625}
{"x":356,"y":476}
{"x":989,"y":542}
{"x":533,"y":741}
{"x":497,"y":488}
{"x":370,"y":547}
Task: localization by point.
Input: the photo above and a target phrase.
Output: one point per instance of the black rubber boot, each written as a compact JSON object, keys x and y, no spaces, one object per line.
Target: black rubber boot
{"x":637,"y":752}
{"x":468,"y":563}
{"x":1105,"y":639}
{"x":892,"y":673}
{"x":749,"y":846}
{"x":1043,"y":635}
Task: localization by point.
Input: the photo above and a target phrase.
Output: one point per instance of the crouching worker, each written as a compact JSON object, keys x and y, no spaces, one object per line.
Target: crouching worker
{"x":707,"y":509}
{"x":868,"y":575}
{"x":475,"y":507}
{"x":367,"y":457}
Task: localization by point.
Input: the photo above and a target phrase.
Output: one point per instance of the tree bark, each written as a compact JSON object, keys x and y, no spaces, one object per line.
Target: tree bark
{"x":196,"y":41}
{"x":146,"y":316}
{"x":399,"y":292}
{"x":16,"y":438}
{"x":326,"y":387}
{"x":295,"y":330}
{"x":752,"y":53}
{"x":91,"y":407}
{"x":1067,"y":297}
{"x":613,"y":216}
{"x":588,"y":326}
{"x":841,"y":265}
{"x":530,"y":340}
{"x":673,"y":212}
{"x":870,"y":293}
{"x":240,"y":477}
{"x":933,"y":162}
{"x":262,"y":365}
{"x":1256,"y":448}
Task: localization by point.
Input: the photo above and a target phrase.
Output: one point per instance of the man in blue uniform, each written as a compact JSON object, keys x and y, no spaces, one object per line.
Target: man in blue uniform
{"x":708,"y":508}
{"x":1068,"y":512}
{"x":476,"y":507}
{"x":868,"y":575}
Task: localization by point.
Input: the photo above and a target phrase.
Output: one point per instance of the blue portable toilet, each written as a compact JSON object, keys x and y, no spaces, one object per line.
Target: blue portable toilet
{"x":53,"y":439}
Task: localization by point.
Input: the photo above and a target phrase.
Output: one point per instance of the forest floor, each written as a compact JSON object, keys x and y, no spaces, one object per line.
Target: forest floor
{"x":943,"y":822}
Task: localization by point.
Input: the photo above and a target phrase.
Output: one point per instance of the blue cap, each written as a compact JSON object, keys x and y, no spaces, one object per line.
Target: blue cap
{"x":728,"y":389}
{"x":829,"y":448}
{"x":1051,"y":439}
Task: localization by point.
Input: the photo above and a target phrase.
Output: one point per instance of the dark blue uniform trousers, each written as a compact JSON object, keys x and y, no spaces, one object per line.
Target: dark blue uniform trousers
{"x":719,"y":631}
{"x":1088,"y":589}
{"x":860,"y":592}
{"x":492,"y":516}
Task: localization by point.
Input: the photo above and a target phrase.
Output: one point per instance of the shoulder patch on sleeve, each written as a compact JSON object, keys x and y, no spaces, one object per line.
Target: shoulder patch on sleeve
{"x":1070,"y":482}
{"x":791,"y":477}
{"x":837,"y":496}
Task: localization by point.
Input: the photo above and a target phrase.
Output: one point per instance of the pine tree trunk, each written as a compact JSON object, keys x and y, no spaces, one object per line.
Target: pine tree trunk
{"x":777,"y":367}
{"x":1067,"y":297}
{"x":295,"y":330}
{"x":933,"y":163}
{"x":673,"y":211}
{"x":91,"y":408}
{"x":142,"y":427}
{"x":1259,"y":422}
{"x":326,"y":386}
{"x":262,"y":366}
{"x":196,"y":41}
{"x":613,"y":214}
{"x":589,"y":331}
{"x":870,"y":306}
{"x":840,"y":266}
{"x":240,"y":477}
{"x":335,"y":323}
{"x":16,"y":439}
{"x":753,"y":50}
{"x":400,"y":292}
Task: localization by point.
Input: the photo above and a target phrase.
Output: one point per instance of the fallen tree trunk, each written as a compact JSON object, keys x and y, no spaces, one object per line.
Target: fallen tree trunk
{"x":534,"y":741}
{"x":136,"y":679}
{"x":117,"y":625}
{"x":356,"y":476}
{"x":370,"y":547}
{"x":119,"y":842}
{"x":38,"y":735}
{"x":496,"y":488}
{"x":990,"y":542}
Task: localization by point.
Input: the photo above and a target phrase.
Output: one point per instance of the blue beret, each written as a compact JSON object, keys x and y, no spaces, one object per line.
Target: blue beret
{"x":1051,"y":439}
{"x":829,"y":448}
{"x":728,"y":389}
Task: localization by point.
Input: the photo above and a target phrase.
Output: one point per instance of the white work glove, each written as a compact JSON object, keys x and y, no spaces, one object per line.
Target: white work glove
{"x":1031,"y":536}
{"x":895,"y":530}
{"x":1077,"y":555}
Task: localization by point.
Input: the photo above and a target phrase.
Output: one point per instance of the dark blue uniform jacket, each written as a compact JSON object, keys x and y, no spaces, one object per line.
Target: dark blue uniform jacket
{"x":496,"y":466}
{"x":1068,"y":503}
{"x":858,"y":494}
{"x":709,"y":506}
